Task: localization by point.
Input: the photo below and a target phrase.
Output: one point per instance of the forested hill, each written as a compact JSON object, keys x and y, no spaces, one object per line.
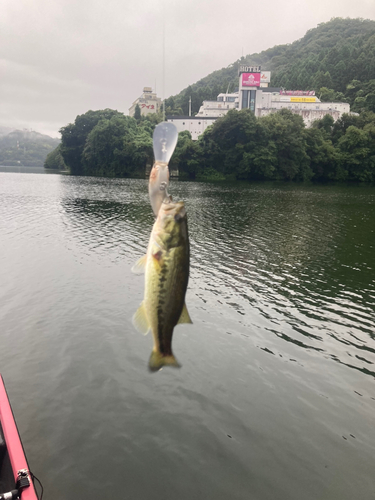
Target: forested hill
{"x":337,"y":56}
{"x":25,"y":147}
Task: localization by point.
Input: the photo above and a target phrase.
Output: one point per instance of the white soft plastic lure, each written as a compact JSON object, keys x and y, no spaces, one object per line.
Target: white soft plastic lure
{"x":164,"y":142}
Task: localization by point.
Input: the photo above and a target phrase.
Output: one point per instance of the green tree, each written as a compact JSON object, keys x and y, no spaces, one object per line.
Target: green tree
{"x":228,"y":139}
{"x":116,"y":147}
{"x":187,"y":157}
{"x":55,"y":160}
{"x":326,"y":123}
{"x":285,"y":131}
{"x":355,"y":148}
{"x":370,"y":101}
{"x":137,"y":112}
{"x":74,"y":135}
{"x":323,"y":156}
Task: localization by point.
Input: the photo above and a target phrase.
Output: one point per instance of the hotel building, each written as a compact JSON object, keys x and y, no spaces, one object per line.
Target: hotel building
{"x":148,"y":102}
{"x":255,"y":94}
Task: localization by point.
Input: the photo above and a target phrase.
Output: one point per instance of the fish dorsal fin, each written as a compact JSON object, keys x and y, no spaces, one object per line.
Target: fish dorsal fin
{"x":140,"y":320}
{"x":140,"y":266}
{"x":184,"y":318}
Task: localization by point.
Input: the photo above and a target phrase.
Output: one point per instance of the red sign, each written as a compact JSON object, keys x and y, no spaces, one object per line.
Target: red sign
{"x":297,"y":92}
{"x":250,"y":79}
{"x":150,"y":106}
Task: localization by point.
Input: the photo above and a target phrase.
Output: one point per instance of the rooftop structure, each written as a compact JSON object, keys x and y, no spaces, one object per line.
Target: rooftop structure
{"x":148,"y":102}
{"x":220,"y":107}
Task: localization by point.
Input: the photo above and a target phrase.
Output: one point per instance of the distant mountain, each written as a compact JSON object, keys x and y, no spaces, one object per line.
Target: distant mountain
{"x":5,"y":130}
{"x":24,"y":147}
{"x":337,"y":55}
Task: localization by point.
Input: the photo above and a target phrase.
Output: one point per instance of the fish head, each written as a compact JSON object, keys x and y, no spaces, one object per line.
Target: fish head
{"x":172,"y":222}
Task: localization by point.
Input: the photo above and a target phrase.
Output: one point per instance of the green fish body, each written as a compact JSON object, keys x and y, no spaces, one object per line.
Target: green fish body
{"x":166,"y":278}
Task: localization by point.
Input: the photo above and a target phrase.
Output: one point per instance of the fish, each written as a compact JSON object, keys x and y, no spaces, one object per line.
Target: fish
{"x":166,"y":267}
{"x":158,"y":185}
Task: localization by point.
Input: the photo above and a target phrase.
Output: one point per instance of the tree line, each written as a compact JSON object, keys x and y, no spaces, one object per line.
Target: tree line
{"x":237,"y":146}
{"x":105,"y":143}
{"x":280,"y":147}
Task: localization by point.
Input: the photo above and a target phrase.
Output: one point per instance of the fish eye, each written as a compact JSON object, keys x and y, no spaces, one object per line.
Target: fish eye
{"x":178,"y":217}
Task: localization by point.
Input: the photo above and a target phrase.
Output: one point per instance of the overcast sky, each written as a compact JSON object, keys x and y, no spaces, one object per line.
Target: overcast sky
{"x":60,"y":58}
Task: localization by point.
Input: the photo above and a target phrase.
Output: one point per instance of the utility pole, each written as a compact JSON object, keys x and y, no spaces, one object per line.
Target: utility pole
{"x":190,"y":106}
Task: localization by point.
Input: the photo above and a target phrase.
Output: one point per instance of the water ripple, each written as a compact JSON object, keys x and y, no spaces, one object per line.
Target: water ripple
{"x":297,"y":258}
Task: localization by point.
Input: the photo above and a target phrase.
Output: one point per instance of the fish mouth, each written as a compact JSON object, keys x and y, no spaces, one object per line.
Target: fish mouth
{"x":176,"y":209}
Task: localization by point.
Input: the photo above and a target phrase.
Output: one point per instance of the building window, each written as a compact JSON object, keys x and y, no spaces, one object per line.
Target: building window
{"x":183,"y":123}
{"x":245,"y":99}
{"x":220,"y":99}
{"x":252,"y":100}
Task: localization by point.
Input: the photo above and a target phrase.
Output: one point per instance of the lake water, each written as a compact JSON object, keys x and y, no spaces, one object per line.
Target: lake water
{"x":275,"y":399}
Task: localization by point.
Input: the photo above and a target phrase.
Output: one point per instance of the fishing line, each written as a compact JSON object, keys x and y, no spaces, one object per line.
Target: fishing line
{"x":163,"y":75}
{"x":34,"y":478}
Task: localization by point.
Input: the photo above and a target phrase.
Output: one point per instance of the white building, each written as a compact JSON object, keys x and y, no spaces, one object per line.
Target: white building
{"x":220,"y":107}
{"x":264,"y":101}
{"x":148,"y":102}
{"x":301,"y":103}
{"x":194,"y":124}
{"x":255,"y":94}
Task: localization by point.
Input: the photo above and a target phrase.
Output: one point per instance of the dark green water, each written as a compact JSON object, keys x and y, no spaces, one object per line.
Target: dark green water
{"x":276,"y":396}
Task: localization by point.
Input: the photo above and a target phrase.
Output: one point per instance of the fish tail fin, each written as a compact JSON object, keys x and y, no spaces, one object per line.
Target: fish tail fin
{"x":158,"y":360}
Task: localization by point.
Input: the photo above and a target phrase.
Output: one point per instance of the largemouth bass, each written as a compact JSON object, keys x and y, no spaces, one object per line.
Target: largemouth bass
{"x":158,"y":185}
{"x":166,"y":266}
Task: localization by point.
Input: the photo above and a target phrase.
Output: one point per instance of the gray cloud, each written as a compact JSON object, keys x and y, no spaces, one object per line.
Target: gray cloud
{"x":61,"y":58}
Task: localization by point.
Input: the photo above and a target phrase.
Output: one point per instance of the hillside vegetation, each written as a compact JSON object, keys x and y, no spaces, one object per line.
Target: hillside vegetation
{"x":238,"y":146}
{"x":25,"y":147}
{"x":336,"y":59}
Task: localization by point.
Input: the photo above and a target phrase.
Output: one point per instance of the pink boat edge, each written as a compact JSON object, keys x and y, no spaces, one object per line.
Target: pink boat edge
{"x":15,"y":477}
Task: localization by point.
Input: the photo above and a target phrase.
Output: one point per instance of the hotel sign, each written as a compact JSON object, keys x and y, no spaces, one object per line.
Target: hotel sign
{"x":248,"y":69}
{"x":250,"y":80}
{"x":303,"y":99}
{"x":297,"y":92}
{"x":265,"y":76}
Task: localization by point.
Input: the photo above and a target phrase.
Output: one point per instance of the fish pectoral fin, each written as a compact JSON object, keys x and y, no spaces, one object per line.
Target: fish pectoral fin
{"x":140,"y":320}
{"x":140,"y":266}
{"x":185,"y":317}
